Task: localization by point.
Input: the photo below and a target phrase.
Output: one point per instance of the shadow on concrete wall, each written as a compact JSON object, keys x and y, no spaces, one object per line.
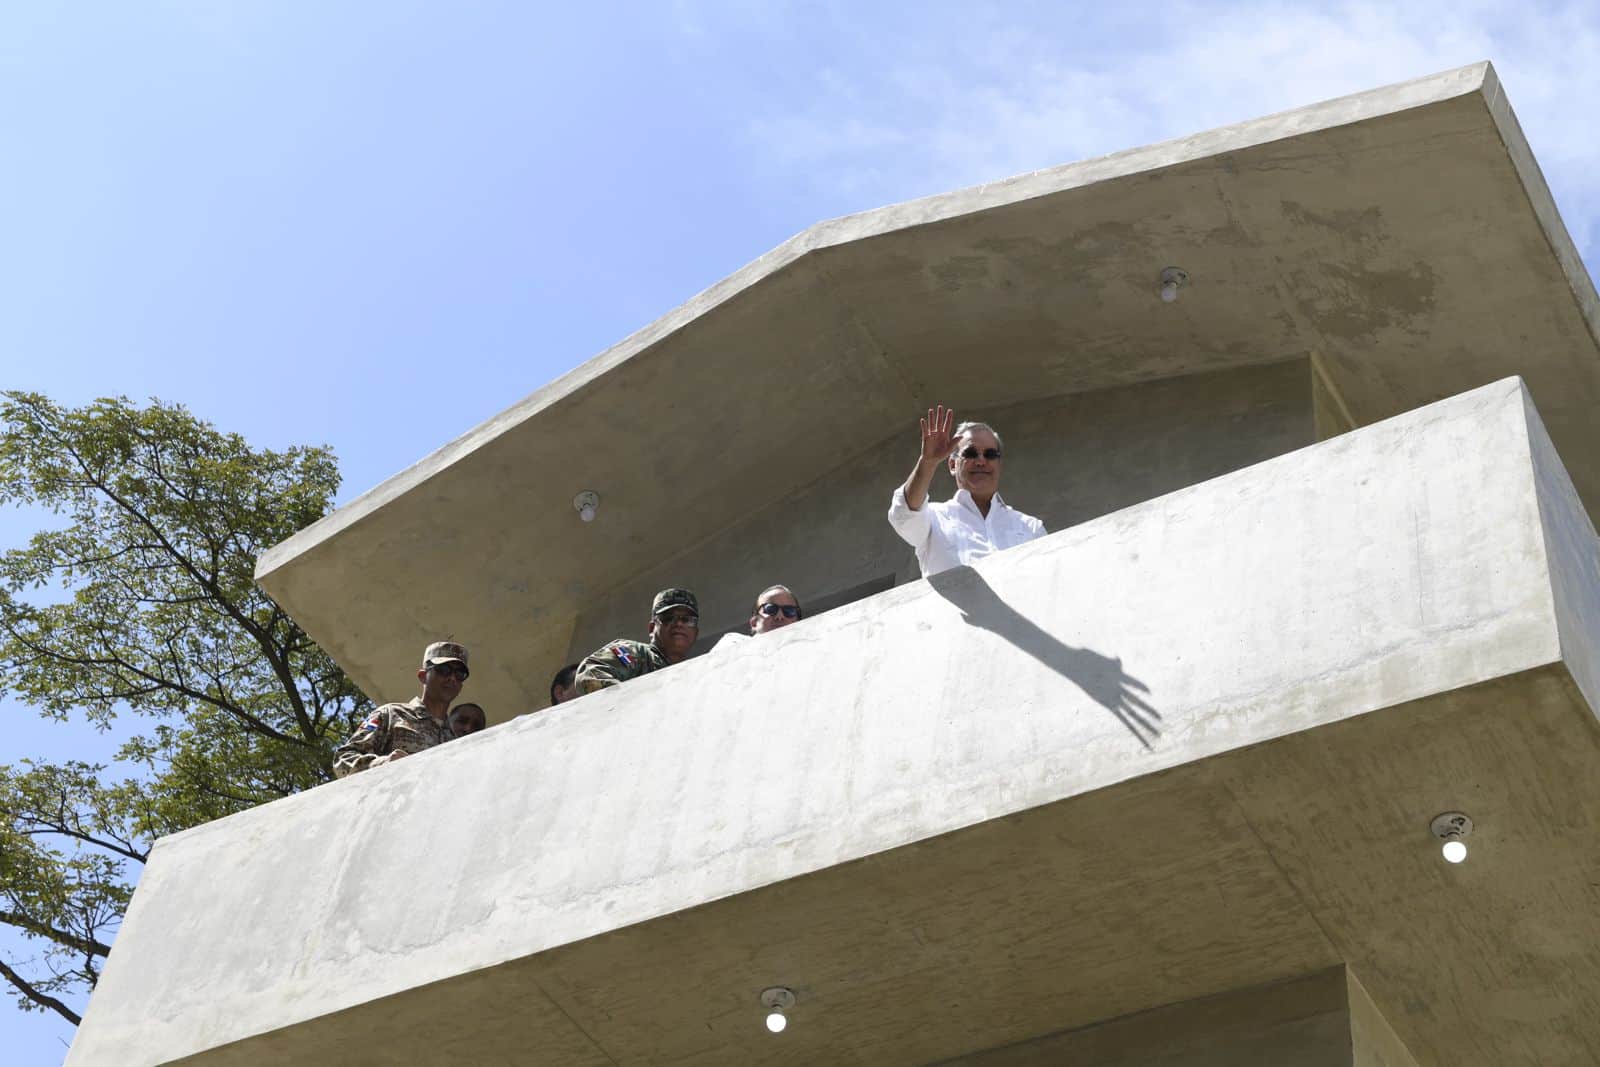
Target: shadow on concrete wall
{"x":1101,"y":677}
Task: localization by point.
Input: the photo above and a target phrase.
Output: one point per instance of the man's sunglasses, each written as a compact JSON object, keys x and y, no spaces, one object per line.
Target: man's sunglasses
{"x":990,"y":454}
{"x":679,"y":616}
{"x":770,"y":610}
{"x":453,"y":669}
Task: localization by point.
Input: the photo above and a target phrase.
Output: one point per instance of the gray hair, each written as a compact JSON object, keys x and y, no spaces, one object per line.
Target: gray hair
{"x":965,"y":430}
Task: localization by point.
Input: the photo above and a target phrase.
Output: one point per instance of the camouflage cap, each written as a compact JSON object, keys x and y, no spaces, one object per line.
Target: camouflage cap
{"x":668,"y":599}
{"x":444,"y":652}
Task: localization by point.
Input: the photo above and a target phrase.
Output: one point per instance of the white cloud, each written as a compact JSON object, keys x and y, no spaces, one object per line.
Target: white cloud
{"x":1003,"y":99}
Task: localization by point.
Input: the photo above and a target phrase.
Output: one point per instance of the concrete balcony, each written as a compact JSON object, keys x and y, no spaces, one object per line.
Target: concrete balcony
{"x":1188,"y":750}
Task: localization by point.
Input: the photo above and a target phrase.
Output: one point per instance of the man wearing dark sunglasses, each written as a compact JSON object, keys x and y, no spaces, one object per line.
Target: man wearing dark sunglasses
{"x":776,"y":607}
{"x":395,"y":731}
{"x":674,"y":625}
{"x":973,"y":523}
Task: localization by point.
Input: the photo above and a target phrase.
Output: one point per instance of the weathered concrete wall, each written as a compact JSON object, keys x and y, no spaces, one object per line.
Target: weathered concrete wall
{"x":1574,"y":554}
{"x":1373,"y":1042}
{"x":1399,"y":561}
{"x":1403,"y":236}
{"x":1303,"y":1022}
{"x":1068,"y":459}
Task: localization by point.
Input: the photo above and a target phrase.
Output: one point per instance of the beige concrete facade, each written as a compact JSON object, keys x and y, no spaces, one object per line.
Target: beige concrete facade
{"x":1188,"y":748}
{"x":1068,"y":459}
{"x":1322,"y":1020}
{"x":1402,"y":241}
{"x":1154,"y":789}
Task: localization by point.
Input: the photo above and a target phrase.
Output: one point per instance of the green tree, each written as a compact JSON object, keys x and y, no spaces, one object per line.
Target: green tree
{"x":140,"y":605}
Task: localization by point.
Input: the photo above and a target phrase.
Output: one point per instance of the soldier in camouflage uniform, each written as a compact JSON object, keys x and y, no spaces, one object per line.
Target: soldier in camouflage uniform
{"x":398,"y":730}
{"x":674,"y":624}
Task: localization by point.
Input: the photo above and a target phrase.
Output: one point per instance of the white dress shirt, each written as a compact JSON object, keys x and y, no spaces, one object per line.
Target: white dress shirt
{"x":955,"y":533}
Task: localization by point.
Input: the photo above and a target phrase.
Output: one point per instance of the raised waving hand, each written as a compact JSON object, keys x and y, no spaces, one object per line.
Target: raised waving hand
{"x":938,"y":441}
{"x":938,"y":438}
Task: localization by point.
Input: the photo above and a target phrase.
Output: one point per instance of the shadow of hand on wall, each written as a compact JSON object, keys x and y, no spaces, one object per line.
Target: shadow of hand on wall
{"x":1101,"y":677}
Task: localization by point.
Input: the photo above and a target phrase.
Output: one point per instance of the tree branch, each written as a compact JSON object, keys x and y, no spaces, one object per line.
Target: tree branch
{"x":60,"y":937}
{"x":259,"y":725}
{"x":207,"y":582}
{"x":45,"y":826}
{"x":44,"y":1000}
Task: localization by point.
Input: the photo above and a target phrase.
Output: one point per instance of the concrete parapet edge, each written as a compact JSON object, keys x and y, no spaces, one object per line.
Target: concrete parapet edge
{"x":1397,"y":561}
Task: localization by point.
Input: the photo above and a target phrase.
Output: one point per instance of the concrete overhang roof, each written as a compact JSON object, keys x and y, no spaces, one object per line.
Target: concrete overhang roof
{"x":1403,"y":236}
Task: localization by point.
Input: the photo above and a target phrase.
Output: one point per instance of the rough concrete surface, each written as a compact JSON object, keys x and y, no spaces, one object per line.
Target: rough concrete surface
{"x":1574,"y":554}
{"x":1373,"y":1042}
{"x":1134,"y":763}
{"x":1321,"y":1020}
{"x":1068,"y":460}
{"x":1401,"y":238}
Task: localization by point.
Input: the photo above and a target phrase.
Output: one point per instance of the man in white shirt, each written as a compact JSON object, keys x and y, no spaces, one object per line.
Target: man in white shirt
{"x":973,"y":523}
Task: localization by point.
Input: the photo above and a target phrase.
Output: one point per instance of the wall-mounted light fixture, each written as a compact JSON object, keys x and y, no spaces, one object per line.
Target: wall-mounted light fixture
{"x":586,"y":504}
{"x":1172,"y":279}
{"x":1452,"y":828}
{"x":777,"y":1000}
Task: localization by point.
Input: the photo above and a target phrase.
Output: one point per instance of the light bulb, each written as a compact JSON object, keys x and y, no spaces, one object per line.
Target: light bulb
{"x":1172,"y":279}
{"x":777,"y":1000}
{"x":586,"y":513}
{"x":586,"y":504}
{"x":1453,"y":828}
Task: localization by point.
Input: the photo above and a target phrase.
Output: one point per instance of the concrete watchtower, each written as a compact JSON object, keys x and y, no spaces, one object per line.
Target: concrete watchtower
{"x":1158,"y":788}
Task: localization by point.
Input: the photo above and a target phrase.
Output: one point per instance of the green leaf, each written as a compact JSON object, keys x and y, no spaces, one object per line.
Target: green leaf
{"x":141,"y":605}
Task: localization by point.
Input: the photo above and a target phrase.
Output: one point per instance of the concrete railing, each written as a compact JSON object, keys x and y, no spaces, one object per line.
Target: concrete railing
{"x":1408,"y":558}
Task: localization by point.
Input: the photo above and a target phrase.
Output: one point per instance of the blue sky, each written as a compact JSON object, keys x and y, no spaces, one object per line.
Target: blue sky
{"x":376,"y":224}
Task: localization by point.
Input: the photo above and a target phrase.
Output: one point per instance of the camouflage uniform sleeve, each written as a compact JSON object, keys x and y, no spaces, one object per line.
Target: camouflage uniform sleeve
{"x":366,"y":746}
{"x":611,"y":665}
